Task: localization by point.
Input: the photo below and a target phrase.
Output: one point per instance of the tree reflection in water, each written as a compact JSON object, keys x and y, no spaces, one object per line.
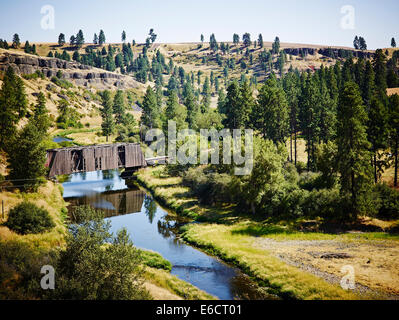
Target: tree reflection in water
{"x":150,"y":208}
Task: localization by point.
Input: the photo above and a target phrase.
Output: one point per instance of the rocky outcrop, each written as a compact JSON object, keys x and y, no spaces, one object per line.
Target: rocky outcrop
{"x":81,"y":75}
{"x":329,"y":52}
{"x":299,"y":51}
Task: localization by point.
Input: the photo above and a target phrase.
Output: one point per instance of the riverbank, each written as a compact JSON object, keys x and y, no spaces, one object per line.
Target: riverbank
{"x":281,"y":257}
{"x":164,"y":286}
{"x":158,"y":281}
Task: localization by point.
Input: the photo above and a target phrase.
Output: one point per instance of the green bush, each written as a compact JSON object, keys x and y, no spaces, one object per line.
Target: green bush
{"x":27,"y":218}
{"x":96,"y":264}
{"x":20,"y":266}
{"x":301,"y":167}
{"x":62,"y":125}
{"x":209,"y":187}
{"x":62,"y":83}
{"x":328,"y":204}
{"x":388,"y":206}
{"x":33,"y":76}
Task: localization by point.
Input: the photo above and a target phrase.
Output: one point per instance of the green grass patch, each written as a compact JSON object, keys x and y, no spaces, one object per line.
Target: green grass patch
{"x":279,"y":278}
{"x":155,"y":260}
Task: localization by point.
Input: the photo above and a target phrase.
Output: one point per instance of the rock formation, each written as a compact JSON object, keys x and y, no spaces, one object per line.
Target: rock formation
{"x":81,"y":75}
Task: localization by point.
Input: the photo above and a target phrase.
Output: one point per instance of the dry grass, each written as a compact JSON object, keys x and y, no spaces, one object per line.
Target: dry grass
{"x":49,"y":197}
{"x":281,"y":278}
{"x":242,"y":241}
{"x":302,"y":155}
{"x":376,"y":263}
{"x":88,"y":138}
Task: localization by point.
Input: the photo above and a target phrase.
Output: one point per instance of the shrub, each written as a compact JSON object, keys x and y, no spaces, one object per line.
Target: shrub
{"x":388,"y":206}
{"x":310,"y":181}
{"x":27,"y":218}
{"x":33,"y":76}
{"x":20,"y":266}
{"x":326,"y":203}
{"x":62,"y":125}
{"x":62,"y":83}
{"x":97,"y":265}
{"x":292,"y":203}
{"x":209,"y":187}
{"x":301,"y":167}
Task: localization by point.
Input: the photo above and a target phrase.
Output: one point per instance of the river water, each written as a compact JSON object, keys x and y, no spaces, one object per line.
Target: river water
{"x":152,"y":228}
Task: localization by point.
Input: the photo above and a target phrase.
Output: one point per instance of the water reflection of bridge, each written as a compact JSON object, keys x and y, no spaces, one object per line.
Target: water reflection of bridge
{"x":112,"y":203}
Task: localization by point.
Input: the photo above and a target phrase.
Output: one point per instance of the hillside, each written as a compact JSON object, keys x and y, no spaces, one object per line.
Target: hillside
{"x":79,"y":84}
{"x":194,"y":57}
{"x":196,"y":60}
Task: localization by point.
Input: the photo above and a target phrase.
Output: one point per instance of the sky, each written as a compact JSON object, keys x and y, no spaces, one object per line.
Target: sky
{"x":175,"y":21}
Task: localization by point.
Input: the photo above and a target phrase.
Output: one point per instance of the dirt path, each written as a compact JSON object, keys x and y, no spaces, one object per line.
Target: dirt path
{"x":376,"y":263}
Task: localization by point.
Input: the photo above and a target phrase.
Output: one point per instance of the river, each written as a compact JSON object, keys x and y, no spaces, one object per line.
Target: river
{"x":152,"y":228}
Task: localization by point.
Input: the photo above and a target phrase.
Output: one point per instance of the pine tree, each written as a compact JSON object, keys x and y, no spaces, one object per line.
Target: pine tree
{"x":362,"y":44}
{"x":260,"y":40}
{"x":327,"y":122}
{"x":123,"y":36}
{"x":79,"y":40}
{"x":191,"y":104}
{"x":276,"y":46}
{"x":95,"y":39}
{"x":356,"y":43}
{"x":108,"y":123}
{"x":246,"y":39}
{"x":393,"y":43}
{"x":16,"y":41}
{"x":368,"y":86}
{"x":378,"y":133}
{"x":238,"y":105}
{"x":101,"y":38}
{"x":27,"y":47}
{"x":202,"y":38}
{"x":175,"y":112}
{"x":394,"y":133}
{"x":61,"y":39}
{"x":271,"y":114}
{"x":353,"y":155}
{"x":72,"y":40}
{"x":309,"y":118}
{"x":380,"y":70}
{"x":13,"y":104}
{"x":151,"y":113}
{"x":27,"y":157}
{"x":76,"y":56}
{"x":40,"y":117}
{"x":206,"y":96}
{"x":236,"y":39}
{"x":119,"y":107}
{"x":213,"y":45}
{"x":152,"y":35}
{"x":291,"y":85}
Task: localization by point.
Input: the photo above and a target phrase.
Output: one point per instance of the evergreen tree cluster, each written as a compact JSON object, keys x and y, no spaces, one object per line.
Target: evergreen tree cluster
{"x":29,"y":49}
{"x":24,"y":147}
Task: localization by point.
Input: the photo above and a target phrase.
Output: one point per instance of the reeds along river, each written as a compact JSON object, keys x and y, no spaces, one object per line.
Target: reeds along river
{"x":151,"y":228}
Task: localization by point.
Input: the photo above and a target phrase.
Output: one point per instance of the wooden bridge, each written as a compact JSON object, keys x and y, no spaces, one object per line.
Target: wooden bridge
{"x":98,"y":157}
